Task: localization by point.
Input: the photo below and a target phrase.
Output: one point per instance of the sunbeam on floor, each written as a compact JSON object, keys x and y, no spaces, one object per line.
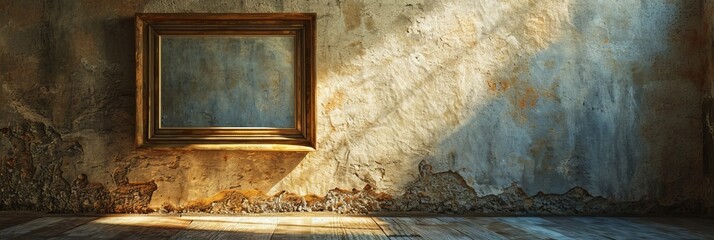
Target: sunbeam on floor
{"x":22,"y":225}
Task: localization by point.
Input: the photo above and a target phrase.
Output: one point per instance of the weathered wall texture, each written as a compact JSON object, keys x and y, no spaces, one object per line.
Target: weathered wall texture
{"x":708,"y":110}
{"x":576,"y":106}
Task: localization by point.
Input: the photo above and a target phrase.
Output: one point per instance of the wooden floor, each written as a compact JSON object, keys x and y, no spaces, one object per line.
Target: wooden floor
{"x":16,"y":225}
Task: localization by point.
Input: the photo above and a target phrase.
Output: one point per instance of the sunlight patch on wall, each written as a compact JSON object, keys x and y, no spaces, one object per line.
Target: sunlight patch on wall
{"x":395,"y":96}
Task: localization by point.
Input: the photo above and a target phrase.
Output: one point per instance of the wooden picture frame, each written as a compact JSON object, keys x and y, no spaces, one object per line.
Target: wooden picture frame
{"x":185,"y":61}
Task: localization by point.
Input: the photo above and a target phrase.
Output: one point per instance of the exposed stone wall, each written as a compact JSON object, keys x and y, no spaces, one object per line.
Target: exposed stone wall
{"x":456,"y":105}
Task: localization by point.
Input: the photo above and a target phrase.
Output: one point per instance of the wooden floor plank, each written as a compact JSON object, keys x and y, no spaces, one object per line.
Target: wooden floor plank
{"x":602,"y":226}
{"x":395,"y":229}
{"x":358,"y":227}
{"x":293,"y":228}
{"x":7,"y":221}
{"x":473,"y":230}
{"x":326,"y":228}
{"x":56,"y":228}
{"x":127,"y":227}
{"x":536,"y":226}
{"x":432,"y":228}
{"x":678,"y":227}
{"x":575,"y":229}
{"x":92,"y":230}
{"x":193,"y":231}
{"x":253,"y":228}
{"x":501,"y":228}
{"x":617,"y":228}
{"x":206,"y":227}
{"x":444,"y":229}
{"x":18,"y":230}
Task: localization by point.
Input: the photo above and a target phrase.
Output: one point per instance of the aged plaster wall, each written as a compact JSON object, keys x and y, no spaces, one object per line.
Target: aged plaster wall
{"x":508,"y":104}
{"x":708,"y":111}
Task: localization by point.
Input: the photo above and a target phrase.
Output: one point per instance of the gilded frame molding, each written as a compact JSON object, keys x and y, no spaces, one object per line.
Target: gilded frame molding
{"x":149,"y":132}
